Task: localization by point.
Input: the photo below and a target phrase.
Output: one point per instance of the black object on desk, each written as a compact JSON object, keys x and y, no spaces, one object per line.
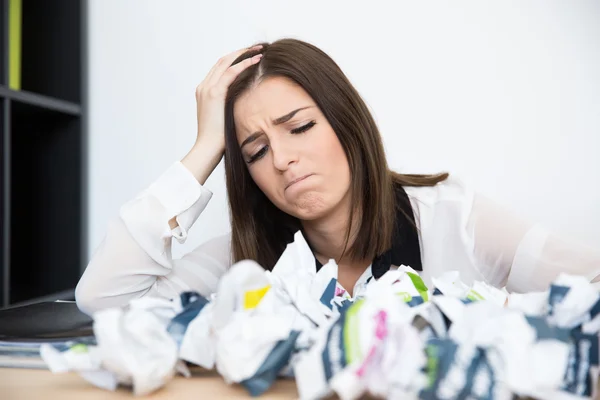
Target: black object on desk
{"x":44,"y":322}
{"x":24,"y":329}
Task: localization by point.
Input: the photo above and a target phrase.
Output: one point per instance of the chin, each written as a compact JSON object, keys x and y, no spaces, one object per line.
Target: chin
{"x":309,"y":206}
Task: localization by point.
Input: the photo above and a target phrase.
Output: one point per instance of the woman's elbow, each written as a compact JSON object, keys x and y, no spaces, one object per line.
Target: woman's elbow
{"x":86,"y":298}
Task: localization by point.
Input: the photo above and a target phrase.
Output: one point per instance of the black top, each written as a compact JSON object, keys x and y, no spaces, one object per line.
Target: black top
{"x":405,"y":241}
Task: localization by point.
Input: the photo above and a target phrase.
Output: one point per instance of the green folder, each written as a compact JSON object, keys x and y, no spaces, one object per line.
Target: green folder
{"x":14,"y":44}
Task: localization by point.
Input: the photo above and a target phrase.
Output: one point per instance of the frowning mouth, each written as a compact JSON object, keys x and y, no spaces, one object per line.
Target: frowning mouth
{"x":297,"y":180}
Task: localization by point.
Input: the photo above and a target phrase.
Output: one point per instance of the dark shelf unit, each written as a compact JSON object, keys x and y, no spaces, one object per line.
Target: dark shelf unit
{"x":43,"y":152}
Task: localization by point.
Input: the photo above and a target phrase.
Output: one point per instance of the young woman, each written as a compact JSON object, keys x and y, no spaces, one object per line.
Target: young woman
{"x":302,"y":152}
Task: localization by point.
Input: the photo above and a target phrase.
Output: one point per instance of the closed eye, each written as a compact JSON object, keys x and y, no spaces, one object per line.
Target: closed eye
{"x":304,"y":128}
{"x":259,"y":154}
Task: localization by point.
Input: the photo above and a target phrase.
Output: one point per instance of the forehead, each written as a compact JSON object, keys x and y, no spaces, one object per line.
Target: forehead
{"x":270,"y":99}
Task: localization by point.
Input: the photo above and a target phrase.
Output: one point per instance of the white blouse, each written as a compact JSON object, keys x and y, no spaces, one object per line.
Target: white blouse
{"x":458,"y":230}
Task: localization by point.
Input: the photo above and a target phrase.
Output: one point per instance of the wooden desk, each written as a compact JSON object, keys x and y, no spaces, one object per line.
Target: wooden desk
{"x":41,"y":384}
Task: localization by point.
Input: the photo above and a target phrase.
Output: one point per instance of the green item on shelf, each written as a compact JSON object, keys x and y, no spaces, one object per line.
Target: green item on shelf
{"x":14,"y":46}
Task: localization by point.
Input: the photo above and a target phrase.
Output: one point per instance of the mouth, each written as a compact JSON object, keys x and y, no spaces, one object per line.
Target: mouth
{"x":297,"y":180}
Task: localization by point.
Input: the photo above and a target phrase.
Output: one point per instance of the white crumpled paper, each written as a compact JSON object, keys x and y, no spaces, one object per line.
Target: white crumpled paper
{"x":254,"y":325}
{"x":370,"y":348}
{"x":295,"y":275}
{"x":449,"y":284}
{"x":133,"y":348}
{"x":396,"y":339}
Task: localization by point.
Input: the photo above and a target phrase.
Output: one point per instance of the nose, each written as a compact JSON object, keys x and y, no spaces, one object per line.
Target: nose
{"x":283,"y":154}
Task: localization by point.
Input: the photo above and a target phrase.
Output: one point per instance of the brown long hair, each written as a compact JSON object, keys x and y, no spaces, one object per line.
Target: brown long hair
{"x":260,"y":231}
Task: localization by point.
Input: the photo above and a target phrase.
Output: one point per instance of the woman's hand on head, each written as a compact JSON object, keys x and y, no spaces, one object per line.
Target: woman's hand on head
{"x":210,"y":109}
{"x":210,"y":97}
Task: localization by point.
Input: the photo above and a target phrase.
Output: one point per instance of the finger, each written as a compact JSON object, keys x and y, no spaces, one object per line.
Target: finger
{"x":222,"y":60}
{"x":221,"y":66}
{"x":225,"y":62}
{"x":232,"y":72}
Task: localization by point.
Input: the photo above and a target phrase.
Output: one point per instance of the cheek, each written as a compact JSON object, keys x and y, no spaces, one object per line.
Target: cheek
{"x":256,"y":177}
{"x":339,"y":157}
{"x":334,"y":155}
{"x":263,"y":179}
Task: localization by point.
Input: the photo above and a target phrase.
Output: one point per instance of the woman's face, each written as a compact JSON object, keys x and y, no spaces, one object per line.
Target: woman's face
{"x":291,"y":151}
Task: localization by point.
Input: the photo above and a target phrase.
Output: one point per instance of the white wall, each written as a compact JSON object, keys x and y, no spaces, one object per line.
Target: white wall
{"x":504,"y":94}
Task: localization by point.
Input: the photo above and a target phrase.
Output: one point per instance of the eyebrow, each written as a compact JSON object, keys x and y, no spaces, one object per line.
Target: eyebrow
{"x":277,"y":121}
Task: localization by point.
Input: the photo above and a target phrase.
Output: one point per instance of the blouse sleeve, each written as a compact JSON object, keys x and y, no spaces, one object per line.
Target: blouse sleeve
{"x":521,"y":255}
{"x":135,"y":260}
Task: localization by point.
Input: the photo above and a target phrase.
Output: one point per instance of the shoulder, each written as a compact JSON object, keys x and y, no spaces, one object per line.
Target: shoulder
{"x":449,"y":200}
{"x":452,"y":189}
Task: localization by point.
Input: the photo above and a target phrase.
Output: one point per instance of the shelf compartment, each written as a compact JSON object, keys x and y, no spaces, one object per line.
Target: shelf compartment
{"x":46,"y":212}
{"x":4,"y":42}
{"x":4,"y":204}
{"x":51,"y":48}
